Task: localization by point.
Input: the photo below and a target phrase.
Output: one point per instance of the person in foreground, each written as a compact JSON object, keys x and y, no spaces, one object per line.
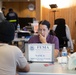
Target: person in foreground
{"x":44,"y":36}
{"x":11,"y":57}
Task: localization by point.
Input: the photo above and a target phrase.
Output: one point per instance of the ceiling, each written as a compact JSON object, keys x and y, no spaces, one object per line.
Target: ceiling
{"x":17,"y":0}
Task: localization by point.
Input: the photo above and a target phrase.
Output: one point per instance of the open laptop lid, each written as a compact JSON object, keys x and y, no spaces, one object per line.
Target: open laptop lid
{"x":37,"y":52}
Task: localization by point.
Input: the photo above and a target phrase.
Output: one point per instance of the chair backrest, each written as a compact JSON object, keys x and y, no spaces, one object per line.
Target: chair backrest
{"x":60,"y":32}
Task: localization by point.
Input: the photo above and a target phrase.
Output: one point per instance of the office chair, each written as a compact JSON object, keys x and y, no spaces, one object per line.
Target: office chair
{"x":60,"y":32}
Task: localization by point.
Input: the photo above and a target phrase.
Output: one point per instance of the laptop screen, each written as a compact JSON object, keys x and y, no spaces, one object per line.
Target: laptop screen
{"x":37,"y":52}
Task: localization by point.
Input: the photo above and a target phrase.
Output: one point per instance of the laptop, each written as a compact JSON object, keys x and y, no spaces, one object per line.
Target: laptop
{"x":25,"y":34}
{"x":39,"y":53}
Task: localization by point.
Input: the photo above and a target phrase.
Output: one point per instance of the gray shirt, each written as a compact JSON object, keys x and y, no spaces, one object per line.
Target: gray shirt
{"x":10,"y":58}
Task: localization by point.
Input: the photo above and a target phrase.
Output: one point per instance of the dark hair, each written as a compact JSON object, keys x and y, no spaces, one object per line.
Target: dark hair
{"x":3,"y":8}
{"x":45,"y":22}
{"x":52,"y":32}
{"x":10,"y":9}
{"x":7,"y":31}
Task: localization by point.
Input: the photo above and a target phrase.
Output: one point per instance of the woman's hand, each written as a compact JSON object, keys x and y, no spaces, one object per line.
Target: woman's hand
{"x":42,"y":38}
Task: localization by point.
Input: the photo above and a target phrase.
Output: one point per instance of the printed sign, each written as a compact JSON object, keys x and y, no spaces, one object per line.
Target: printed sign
{"x":40,"y":52}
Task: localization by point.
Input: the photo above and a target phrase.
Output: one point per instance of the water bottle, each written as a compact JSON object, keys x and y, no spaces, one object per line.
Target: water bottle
{"x":64,"y":59}
{"x":18,"y":27}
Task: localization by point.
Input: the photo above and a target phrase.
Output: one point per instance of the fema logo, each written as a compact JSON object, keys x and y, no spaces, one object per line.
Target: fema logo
{"x":31,"y":48}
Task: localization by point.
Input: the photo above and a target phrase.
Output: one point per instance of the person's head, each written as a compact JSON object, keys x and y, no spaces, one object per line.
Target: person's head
{"x":3,"y":9}
{"x":10,"y":10}
{"x":44,"y":27}
{"x":7,"y":31}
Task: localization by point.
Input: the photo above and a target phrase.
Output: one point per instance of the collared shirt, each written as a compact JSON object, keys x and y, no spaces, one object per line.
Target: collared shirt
{"x":50,"y":39}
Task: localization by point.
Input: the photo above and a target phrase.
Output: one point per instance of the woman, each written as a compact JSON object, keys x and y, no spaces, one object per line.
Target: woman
{"x":44,"y":36}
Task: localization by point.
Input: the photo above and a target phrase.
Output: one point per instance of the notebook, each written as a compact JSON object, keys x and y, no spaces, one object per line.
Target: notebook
{"x":37,"y":52}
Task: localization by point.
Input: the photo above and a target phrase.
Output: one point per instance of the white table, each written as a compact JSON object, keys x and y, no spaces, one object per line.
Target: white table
{"x":53,"y":69}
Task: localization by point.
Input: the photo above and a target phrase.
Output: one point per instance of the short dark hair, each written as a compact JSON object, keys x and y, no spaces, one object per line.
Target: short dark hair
{"x":45,"y":22}
{"x":3,"y":8}
{"x":7,"y":31}
{"x":10,"y":9}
